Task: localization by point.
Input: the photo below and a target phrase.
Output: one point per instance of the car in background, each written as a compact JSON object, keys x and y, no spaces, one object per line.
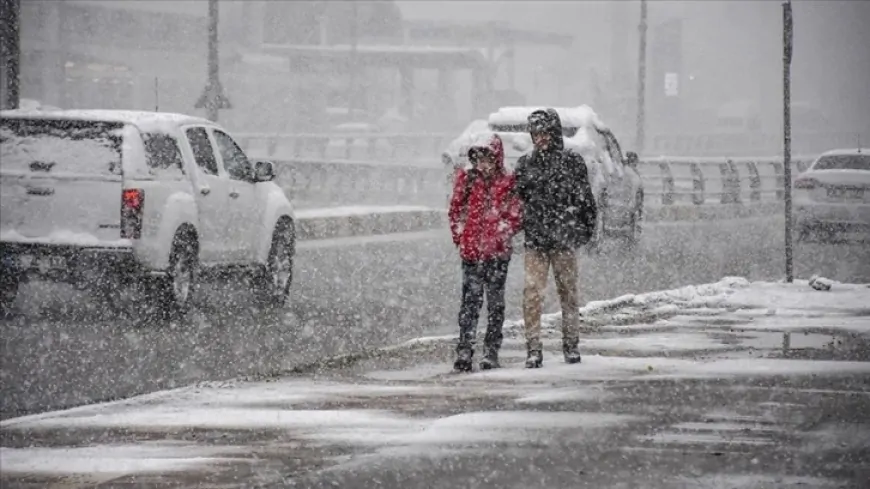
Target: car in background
{"x":832,"y":197}
{"x":104,"y":199}
{"x":616,"y":183}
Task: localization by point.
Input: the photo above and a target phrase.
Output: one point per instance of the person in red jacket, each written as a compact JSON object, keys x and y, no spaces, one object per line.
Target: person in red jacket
{"x":484,"y":215}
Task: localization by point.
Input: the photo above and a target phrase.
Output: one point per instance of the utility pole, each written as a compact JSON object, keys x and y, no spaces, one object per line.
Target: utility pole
{"x":213,"y":98}
{"x":353,"y":81}
{"x":787,"y":35}
{"x":10,"y":16}
{"x":640,"y":135}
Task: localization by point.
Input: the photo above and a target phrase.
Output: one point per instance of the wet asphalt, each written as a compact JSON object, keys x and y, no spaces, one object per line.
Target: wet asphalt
{"x":65,"y":348}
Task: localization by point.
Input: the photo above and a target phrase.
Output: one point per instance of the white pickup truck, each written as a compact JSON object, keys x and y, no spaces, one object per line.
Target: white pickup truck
{"x":94,"y":197}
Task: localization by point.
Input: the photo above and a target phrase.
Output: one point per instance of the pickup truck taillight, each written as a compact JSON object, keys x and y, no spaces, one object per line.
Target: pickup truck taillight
{"x":132,"y":203}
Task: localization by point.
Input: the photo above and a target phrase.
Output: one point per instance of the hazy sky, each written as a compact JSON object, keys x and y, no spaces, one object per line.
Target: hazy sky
{"x":732,"y":48}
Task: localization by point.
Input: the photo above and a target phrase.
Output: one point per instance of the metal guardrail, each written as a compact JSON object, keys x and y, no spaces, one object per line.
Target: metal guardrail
{"x":667,"y":182}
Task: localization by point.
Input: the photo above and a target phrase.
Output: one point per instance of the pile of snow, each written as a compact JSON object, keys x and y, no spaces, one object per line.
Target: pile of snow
{"x":637,"y":307}
{"x":581,"y":116}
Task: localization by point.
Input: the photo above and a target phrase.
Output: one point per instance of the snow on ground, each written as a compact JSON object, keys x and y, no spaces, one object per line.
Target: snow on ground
{"x":394,"y":427}
{"x":771,"y":306}
{"x":599,"y":368}
{"x":650,"y":303}
{"x":158,"y":457}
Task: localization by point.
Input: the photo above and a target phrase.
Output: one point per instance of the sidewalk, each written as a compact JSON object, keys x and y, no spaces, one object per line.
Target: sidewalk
{"x":732,"y":384}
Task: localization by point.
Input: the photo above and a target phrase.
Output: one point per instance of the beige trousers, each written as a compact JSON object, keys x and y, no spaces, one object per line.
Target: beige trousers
{"x":537,"y":266}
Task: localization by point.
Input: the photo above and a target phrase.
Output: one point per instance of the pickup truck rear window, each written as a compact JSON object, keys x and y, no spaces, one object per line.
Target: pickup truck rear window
{"x":162,"y":154}
{"x":60,"y":146}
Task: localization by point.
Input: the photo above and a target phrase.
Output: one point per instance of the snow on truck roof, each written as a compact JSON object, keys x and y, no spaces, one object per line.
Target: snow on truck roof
{"x":581,"y":116}
{"x":145,"y":121}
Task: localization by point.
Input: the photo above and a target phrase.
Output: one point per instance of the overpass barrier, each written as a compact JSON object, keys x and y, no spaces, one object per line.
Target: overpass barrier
{"x":667,"y":181}
{"x":675,"y":189}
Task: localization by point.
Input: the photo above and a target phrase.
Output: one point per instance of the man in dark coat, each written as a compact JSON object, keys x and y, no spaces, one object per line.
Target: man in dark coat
{"x":559,"y":215}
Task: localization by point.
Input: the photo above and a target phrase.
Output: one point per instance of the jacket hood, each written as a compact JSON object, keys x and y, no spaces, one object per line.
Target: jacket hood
{"x":548,"y":120}
{"x":489,"y":141}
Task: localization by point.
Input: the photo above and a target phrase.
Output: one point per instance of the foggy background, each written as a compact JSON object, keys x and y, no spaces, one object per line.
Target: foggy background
{"x":289,"y":66}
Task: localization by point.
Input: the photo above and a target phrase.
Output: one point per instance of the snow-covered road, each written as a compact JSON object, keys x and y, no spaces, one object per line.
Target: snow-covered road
{"x":349,"y":294}
{"x":704,"y":396}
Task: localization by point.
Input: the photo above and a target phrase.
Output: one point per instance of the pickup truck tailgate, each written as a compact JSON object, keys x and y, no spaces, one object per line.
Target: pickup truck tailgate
{"x":60,"y":181}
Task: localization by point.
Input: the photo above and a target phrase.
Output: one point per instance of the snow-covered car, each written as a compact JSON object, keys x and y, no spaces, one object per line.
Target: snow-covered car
{"x":832,"y":197}
{"x":97,"y":198}
{"x":616,"y":183}
{"x":455,"y":156}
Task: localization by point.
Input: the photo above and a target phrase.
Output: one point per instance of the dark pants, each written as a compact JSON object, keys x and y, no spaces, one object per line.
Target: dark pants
{"x":478,"y":278}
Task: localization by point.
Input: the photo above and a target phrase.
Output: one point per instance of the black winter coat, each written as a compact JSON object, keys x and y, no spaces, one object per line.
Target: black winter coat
{"x":559,"y":209}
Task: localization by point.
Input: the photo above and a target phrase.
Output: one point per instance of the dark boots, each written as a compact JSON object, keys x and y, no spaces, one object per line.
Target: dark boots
{"x":569,"y":349}
{"x":490,"y":359}
{"x":535,"y":358}
{"x":464,"y":354}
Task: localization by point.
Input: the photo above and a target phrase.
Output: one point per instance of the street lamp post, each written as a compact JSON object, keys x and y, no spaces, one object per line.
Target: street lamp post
{"x":787,"y":33}
{"x":353,"y":93}
{"x":213,"y":98}
{"x":11,"y":54}
{"x":640,"y":136}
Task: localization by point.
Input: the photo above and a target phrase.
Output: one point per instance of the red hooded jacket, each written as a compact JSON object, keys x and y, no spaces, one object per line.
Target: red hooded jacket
{"x":484,"y":211}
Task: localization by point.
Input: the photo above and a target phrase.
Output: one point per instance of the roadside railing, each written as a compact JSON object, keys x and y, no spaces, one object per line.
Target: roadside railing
{"x":667,"y":181}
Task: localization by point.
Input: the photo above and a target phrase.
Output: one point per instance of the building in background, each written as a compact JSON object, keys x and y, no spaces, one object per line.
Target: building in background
{"x":432,"y":65}
{"x":301,"y":66}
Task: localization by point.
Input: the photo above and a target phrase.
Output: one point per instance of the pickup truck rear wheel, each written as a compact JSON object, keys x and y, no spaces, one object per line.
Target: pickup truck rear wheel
{"x":273,"y":285}
{"x":171,"y":295}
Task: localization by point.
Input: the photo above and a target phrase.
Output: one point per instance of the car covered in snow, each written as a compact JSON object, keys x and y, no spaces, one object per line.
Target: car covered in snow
{"x":102,"y":198}
{"x":832,"y":197}
{"x":455,"y":156}
{"x":616,"y":183}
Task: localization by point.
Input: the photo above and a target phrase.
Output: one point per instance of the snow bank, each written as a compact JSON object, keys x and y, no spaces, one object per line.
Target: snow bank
{"x":800,"y":298}
{"x":647,"y":305}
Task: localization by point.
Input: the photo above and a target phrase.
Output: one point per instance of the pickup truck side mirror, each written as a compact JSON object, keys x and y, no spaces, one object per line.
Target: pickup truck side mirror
{"x":631,"y":159}
{"x":264,"y":171}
